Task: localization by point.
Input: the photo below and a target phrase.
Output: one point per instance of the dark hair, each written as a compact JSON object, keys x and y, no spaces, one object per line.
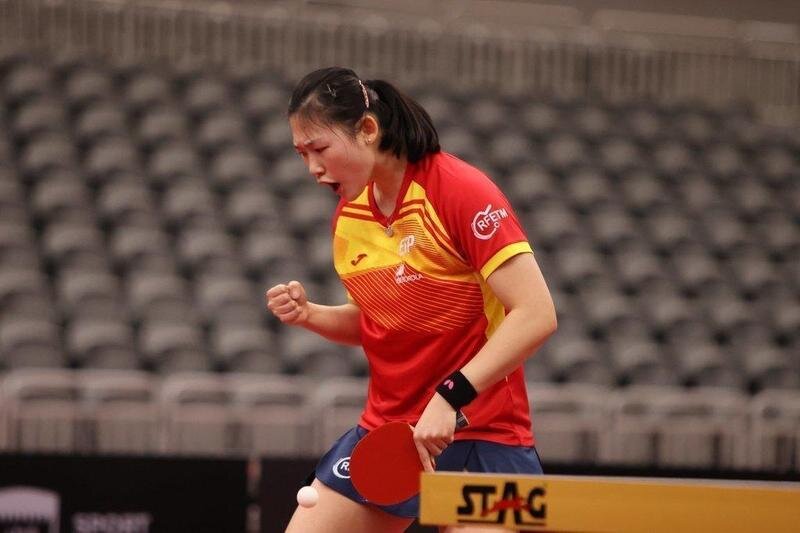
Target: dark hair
{"x":335,"y":95}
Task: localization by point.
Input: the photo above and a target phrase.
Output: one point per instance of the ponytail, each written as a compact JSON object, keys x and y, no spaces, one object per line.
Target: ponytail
{"x":338,"y":96}
{"x":407,"y":129}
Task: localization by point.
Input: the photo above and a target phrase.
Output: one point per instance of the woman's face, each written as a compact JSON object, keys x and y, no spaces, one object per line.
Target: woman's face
{"x":333,"y":156}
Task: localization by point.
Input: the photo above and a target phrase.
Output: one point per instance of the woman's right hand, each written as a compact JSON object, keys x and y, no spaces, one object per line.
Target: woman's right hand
{"x":288,"y":303}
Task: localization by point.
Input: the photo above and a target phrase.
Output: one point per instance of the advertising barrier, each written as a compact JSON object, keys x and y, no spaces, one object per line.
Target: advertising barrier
{"x":62,"y":494}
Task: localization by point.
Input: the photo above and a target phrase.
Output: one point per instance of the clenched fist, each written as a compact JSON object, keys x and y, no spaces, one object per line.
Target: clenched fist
{"x":288,"y":302}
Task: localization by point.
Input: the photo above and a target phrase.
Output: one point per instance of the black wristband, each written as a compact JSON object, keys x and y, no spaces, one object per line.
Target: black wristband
{"x":457,"y":390}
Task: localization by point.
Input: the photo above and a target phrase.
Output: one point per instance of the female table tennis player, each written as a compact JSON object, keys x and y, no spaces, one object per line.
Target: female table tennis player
{"x":444,"y":293}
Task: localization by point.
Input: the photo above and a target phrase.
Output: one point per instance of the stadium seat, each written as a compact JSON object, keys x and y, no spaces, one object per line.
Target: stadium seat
{"x":753,"y":272}
{"x":251,"y":206}
{"x":265,"y":252}
{"x":310,"y":209}
{"x":144,"y":247}
{"x":58,"y":196}
{"x":775,"y":430}
{"x":564,"y":152}
{"x":540,"y":120}
{"x":158,"y":296}
{"x":778,"y":165}
{"x":777,"y":233}
{"x":204,"y":250}
{"x":587,"y":188}
{"x":287,"y":174}
{"x":694,"y":267}
{"x":220,"y":130}
{"x":767,"y":367}
{"x":274,"y":140}
{"x":636,"y":267}
{"x":509,"y":149}
{"x":724,"y":230}
{"x":196,"y":415}
{"x":603,"y":304}
{"x":531,"y":185}
{"x":486,"y":116}
{"x":568,"y":420}
{"x":460,"y":142}
{"x":42,"y":413}
{"x":644,"y":124}
{"x":233,"y":166}
{"x":579,"y":264}
{"x":244,"y":348}
{"x":337,"y":404}
{"x":723,"y":161}
{"x":303,"y":349}
{"x":673,"y":158}
{"x":19,"y":288}
{"x":218,"y":294}
{"x":674,"y":427}
{"x":48,"y":152}
{"x":120,"y":410}
{"x":161,"y":125}
{"x":205,"y":94}
{"x":273,"y":415}
{"x":73,"y":245}
{"x":189,"y":204}
{"x":126,"y":201}
{"x":618,"y":155}
{"x":642,"y":192}
{"x":171,"y":161}
{"x":696,"y":127}
{"x":87,"y":85}
{"x":552,"y":223}
{"x":88,"y":293}
{"x":144,"y":90}
{"x":25,"y":81}
{"x":112,"y":156}
{"x":262,"y":101}
{"x":664,"y":306}
{"x":706,"y":364}
{"x":32,"y":341}
{"x":39,"y":117}
{"x":99,"y":121}
{"x":101,"y":342}
{"x":574,"y":357}
{"x":612,"y":227}
{"x":668,"y":228}
{"x":172,"y":347}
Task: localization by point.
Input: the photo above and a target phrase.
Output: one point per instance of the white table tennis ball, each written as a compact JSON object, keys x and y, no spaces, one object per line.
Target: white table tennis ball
{"x":307,"y":496}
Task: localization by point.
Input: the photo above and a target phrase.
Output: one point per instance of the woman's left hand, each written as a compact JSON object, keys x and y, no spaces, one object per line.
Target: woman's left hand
{"x":434,"y":431}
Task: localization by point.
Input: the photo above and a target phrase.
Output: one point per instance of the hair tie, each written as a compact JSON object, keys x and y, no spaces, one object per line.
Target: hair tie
{"x":364,"y":91}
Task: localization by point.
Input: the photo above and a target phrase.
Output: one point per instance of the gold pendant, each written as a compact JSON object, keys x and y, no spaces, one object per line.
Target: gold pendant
{"x":389,"y":231}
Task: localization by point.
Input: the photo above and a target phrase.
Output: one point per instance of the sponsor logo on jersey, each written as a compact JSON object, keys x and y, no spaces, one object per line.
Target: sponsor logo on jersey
{"x":485,"y":223}
{"x":358,"y":259}
{"x":342,"y":468}
{"x":401,"y":277}
{"x":406,"y":243}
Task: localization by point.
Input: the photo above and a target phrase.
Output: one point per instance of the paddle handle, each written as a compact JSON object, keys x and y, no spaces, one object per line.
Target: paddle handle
{"x":461,"y":420}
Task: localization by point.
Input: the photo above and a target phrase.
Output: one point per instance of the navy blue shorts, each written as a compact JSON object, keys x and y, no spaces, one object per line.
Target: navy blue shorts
{"x":471,"y":455}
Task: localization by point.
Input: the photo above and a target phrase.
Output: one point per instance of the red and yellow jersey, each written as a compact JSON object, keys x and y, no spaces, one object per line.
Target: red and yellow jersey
{"x":419,"y":277}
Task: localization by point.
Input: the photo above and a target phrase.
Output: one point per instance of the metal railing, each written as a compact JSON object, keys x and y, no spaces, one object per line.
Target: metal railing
{"x":573,"y":61}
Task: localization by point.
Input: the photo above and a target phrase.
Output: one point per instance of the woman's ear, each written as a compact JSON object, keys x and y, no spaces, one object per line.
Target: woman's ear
{"x":369,"y":129}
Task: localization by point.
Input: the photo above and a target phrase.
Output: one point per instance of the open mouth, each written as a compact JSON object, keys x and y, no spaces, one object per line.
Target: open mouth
{"x":335,"y":186}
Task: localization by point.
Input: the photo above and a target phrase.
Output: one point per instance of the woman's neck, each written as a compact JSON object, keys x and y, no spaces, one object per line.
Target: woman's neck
{"x":388,"y":178}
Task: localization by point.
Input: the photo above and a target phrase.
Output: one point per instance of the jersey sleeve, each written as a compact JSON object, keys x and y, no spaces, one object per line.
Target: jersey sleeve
{"x":480,"y":219}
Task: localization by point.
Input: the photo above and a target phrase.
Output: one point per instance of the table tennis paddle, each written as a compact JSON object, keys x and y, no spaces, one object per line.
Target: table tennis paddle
{"x":385,"y":464}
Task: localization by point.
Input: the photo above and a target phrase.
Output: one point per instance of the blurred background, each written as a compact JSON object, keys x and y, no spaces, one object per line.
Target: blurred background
{"x":149,"y":195}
